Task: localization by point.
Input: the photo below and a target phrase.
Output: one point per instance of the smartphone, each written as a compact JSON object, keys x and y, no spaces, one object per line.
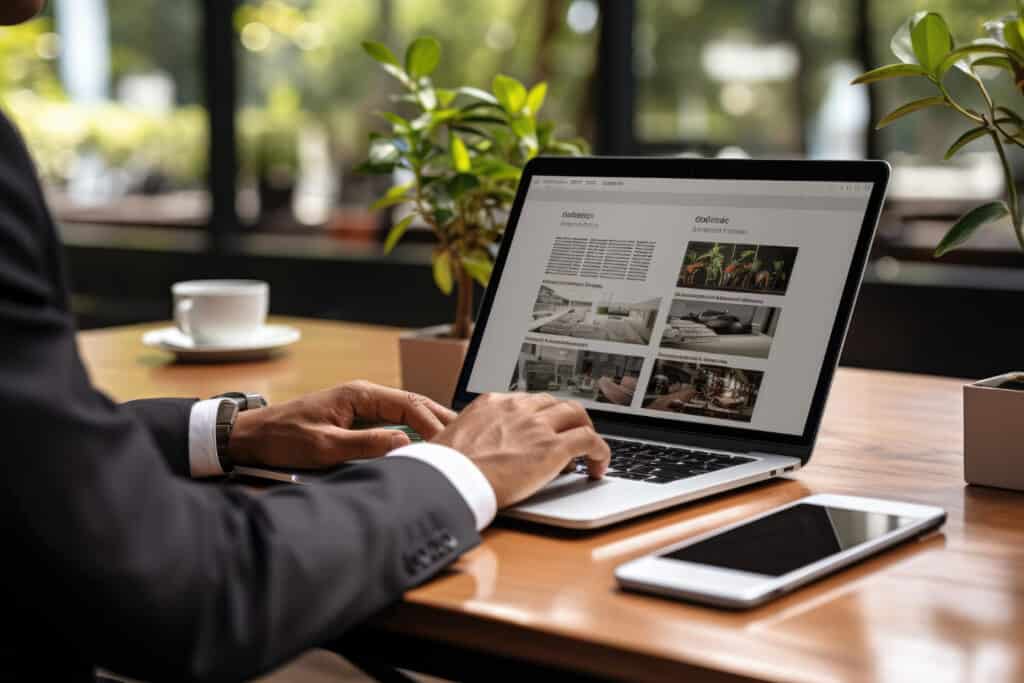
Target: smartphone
{"x":751,"y":562}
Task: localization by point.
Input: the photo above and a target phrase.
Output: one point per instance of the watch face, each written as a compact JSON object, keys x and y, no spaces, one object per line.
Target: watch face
{"x":254,"y":401}
{"x":244,"y":401}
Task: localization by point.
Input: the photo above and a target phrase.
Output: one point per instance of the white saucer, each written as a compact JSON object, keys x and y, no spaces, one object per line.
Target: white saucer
{"x":264,"y":342}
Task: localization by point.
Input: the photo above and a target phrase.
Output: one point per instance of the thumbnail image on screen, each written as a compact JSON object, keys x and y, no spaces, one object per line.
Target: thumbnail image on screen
{"x":737,"y":267}
{"x":706,"y":390}
{"x":576,"y":374}
{"x":582,"y":312}
{"x":722,"y":328}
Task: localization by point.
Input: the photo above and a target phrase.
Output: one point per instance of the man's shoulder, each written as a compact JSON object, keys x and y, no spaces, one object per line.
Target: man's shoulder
{"x":16,"y":154}
{"x":29,"y":263}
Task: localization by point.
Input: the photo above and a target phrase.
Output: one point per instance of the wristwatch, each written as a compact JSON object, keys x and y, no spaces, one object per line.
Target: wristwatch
{"x":232,"y":403}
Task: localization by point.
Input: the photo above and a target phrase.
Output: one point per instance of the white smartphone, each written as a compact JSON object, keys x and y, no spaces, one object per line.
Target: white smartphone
{"x":753,"y":561}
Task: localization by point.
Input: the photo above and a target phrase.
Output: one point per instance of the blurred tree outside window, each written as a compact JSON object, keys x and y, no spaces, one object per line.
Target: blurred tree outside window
{"x":309,"y":92}
{"x":771,"y":78}
{"x":764,"y":78}
{"x":106,"y":93}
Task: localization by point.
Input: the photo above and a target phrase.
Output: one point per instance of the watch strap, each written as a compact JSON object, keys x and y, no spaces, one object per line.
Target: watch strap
{"x":227,"y":413}
{"x":232,"y":403}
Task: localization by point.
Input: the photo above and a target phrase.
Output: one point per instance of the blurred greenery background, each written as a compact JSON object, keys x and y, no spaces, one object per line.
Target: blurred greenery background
{"x":758,"y":78}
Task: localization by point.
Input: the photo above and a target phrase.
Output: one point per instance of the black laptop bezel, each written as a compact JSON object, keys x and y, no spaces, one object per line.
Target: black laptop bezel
{"x":708,"y":435}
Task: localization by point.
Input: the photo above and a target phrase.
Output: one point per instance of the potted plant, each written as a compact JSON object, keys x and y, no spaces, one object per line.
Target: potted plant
{"x":463,"y":150}
{"x":926,"y":49}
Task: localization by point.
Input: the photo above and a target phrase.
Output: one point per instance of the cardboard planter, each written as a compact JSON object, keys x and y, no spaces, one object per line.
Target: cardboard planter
{"x":431,"y":362}
{"x":994,"y":430}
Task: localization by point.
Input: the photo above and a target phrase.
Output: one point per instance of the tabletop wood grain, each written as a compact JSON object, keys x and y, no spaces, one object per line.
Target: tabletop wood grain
{"x":947,"y":608}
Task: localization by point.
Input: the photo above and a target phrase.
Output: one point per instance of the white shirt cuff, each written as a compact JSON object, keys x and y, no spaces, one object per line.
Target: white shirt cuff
{"x":202,"y":439}
{"x":466,"y":477}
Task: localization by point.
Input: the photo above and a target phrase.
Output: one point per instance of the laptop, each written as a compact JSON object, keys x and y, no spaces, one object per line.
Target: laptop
{"x":696,"y":308}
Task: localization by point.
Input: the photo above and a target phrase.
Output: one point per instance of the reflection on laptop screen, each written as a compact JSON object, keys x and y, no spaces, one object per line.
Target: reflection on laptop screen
{"x":694,"y":300}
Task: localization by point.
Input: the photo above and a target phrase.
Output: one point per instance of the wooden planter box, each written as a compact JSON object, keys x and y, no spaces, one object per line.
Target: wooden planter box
{"x":431,"y":363}
{"x":994,"y":432}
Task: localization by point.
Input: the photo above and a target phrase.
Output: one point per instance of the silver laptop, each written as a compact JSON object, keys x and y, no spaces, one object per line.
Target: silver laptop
{"x":696,"y":308}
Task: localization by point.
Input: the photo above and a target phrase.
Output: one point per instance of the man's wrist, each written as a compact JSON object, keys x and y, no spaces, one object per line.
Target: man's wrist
{"x":245,"y":437}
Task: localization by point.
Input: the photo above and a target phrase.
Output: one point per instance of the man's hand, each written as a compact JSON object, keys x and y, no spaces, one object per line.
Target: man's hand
{"x":314,"y":431}
{"x":522,"y":441}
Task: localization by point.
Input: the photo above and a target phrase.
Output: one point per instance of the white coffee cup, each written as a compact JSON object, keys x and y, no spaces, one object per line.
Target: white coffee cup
{"x":220,"y":312}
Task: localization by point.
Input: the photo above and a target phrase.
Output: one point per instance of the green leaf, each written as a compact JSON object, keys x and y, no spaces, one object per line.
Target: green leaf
{"x":994,"y":62}
{"x":398,"y":190}
{"x":460,"y":155}
{"x":1013,"y":34}
{"x":380,"y":52}
{"x":901,"y":43}
{"x":478,"y":94}
{"x":397,"y":232}
{"x":429,"y":120}
{"x":427,"y":98}
{"x":479,"y":268}
{"x":483,"y":119}
{"x":399,"y":124}
{"x":524,"y":126}
{"x":889,"y":71}
{"x":385,"y":202}
{"x":398,"y":73}
{"x":931,"y":40}
{"x":442,"y":216}
{"x":965,"y":139}
{"x":445,"y":96}
{"x":462,"y":183}
{"x":422,"y":57}
{"x":469,"y":130}
{"x":443,"y":271}
{"x":510,"y":93}
{"x":535,"y":99}
{"x":368,"y":168}
{"x":969,"y":223}
{"x":910,"y":108}
{"x":383,"y":151}
{"x":976,"y":48}
{"x":496,"y":169}
{"x":566,"y":148}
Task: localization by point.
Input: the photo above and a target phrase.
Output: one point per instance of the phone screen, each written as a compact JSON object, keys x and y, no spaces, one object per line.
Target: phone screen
{"x":790,"y":539}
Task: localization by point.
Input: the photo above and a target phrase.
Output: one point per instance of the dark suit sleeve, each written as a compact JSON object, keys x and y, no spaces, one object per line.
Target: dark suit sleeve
{"x":167,"y":420}
{"x":156,"y":576}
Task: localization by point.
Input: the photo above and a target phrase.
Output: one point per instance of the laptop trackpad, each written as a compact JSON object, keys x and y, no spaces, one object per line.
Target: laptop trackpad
{"x":565,"y":486}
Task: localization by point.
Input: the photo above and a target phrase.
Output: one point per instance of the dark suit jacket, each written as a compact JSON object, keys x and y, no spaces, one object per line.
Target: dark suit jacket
{"x":113,"y":558}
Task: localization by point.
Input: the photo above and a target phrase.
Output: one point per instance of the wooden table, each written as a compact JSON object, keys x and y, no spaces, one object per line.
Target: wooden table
{"x":949,"y":608}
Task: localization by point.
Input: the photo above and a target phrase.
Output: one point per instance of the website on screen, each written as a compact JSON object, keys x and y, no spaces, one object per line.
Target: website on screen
{"x":696,"y":300}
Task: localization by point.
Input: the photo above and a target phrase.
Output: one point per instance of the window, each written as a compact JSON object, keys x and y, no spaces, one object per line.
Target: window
{"x":107,"y":95}
{"x":766,"y":77}
{"x":309,"y":92}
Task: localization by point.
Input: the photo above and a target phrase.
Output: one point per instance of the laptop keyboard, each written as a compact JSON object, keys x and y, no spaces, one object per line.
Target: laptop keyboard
{"x":662,"y":464}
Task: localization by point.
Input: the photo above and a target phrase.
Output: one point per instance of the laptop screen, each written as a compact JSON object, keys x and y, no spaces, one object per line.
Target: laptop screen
{"x":689,"y":300}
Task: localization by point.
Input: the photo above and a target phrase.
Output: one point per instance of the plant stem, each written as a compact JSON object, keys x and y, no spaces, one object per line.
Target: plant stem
{"x":1011,"y":187}
{"x":463,"y":305}
{"x":995,"y":131}
{"x":993,"y":122}
{"x":973,"y":116}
